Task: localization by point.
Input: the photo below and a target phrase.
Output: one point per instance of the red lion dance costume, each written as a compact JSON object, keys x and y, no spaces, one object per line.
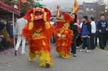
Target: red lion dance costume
{"x":63,"y":35}
{"x":38,"y":32}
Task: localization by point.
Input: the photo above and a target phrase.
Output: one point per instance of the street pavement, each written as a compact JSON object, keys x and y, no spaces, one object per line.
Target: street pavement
{"x":97,"y":60}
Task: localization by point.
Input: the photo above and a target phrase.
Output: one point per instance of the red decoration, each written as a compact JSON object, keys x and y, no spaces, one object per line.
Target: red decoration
{"x":23,"y":1}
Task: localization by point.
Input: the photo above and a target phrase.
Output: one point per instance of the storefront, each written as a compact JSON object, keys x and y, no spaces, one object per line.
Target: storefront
{"x":8,"y":15}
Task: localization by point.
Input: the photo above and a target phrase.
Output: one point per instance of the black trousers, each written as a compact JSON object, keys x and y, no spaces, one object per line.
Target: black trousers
{"x":92,"y":41}
{"x":96,"y":38}
{"x":102,"y":40}
{"x":73,"y":46}
{"x":78,"y":40}
{"x":86,"y":43}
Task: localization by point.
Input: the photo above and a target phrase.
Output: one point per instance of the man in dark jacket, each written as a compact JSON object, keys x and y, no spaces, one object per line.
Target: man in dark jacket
{"x":102,"y":27}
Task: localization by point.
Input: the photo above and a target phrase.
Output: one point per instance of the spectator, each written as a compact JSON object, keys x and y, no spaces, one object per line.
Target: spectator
{"x":102,"y":27}
{"x":9,"y":28}
{"x":85,"y":34}
{"x":4,"y":32}
{"x":74,"y":27}
{"x":93,"y":33}
{"x":19,"y":26}
{"x":4,"y":36}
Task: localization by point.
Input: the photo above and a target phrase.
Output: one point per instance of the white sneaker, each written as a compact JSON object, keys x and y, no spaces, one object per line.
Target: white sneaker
{"x":74,"y":55}
{"x":78,"y":47}
{"x":23,"y":52}
{"x":88,"y":51}
{"x":82,"y":50}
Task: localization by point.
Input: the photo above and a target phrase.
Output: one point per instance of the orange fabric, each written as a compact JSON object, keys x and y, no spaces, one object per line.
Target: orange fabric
{"x":63,"y":36}
{"x":67,"y":19}
{"x":63,"y":44}
{"x":36,"y":44}
{"x":27,"y":15}
{"x":38,"y":36}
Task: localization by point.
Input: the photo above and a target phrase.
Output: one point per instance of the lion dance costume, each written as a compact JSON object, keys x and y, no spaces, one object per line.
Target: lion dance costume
{"x":63,"y":35}
{"x":38,"y":32}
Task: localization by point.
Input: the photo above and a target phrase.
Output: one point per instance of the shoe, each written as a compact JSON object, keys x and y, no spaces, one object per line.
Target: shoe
{"x":15,"y":53}
{"x":82,"y":50}
{"x":74,"y":55}
{"x":102,"y":48}
{"x":78,"y":47}
{"x":88,"y":51}
{"x":47,"y":65}
{"x":22,"y":53}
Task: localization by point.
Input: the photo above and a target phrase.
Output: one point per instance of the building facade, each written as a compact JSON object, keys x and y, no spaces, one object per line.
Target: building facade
{"x":91,"y":9}
{"x":7,"y":16}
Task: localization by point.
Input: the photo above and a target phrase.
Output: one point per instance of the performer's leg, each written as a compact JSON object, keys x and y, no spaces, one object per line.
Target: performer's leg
{"x":17,"y":44}
{"x":66,"y":52}
{"x":45,"y":59}
{"x":62,"y":52}
{"x":23,"y":45}
{"x":31,"y":56}
{"x":59,"y":50}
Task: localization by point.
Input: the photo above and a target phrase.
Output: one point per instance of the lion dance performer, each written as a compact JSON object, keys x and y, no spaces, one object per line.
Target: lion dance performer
{"x":38,"y":32}
{"x":63,"y":35}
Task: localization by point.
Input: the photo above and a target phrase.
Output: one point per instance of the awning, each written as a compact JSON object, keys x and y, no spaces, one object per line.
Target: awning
{"x":9,"y":8}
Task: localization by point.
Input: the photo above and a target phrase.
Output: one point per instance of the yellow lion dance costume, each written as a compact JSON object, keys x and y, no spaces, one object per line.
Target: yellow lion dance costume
{"x":38,"y":32}
{"x":63,"y":35}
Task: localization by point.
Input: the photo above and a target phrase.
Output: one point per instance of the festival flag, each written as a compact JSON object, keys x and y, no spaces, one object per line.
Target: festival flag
{"x":76,"y":7}
{"x":58,"y":11}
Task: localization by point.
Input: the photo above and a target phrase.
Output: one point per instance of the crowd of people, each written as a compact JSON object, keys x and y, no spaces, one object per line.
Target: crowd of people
{"x":6,"y":35}
{"x":88,"y":33}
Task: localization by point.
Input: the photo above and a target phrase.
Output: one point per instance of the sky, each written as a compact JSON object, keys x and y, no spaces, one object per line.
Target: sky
{"x":66,"y":1}
{"x":64,"y":4}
